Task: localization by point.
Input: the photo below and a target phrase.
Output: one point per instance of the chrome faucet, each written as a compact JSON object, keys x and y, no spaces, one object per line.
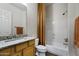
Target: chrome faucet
{"x":65,"y":41}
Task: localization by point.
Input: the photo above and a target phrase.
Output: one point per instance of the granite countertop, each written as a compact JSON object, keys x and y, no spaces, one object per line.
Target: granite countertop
{"x":6,"y":43}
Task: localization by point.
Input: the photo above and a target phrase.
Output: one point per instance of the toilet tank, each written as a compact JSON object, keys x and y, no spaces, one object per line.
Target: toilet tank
{"x":36,"y":41}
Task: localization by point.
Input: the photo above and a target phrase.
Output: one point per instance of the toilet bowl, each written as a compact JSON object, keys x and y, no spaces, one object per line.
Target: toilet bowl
{"x":40,"y":48}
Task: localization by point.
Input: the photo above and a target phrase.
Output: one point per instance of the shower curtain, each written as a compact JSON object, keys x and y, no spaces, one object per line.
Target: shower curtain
{"x":76,"y":34}
{"x":41,"y":23}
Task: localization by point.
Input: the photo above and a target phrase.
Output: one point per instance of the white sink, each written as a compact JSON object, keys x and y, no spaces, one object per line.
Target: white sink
{"x":2,"y":42}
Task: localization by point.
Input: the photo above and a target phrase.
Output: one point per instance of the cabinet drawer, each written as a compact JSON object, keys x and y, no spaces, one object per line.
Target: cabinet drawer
{"x":7,"y":51}
{"x":31,"y":42}
{"x":28,"y":51}
{"x":21,"y":46}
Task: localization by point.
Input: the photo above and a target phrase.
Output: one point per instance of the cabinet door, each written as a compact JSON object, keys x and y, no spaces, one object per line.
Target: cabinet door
{"x":7,"y":51}
{"x":17,"y":54}
{"x":29,"y":51}
{"x":31,"y":42}
{"x":21,"y":46}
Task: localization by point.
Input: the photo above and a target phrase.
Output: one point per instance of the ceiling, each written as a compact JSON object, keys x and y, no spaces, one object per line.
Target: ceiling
{"x":20,"y":6}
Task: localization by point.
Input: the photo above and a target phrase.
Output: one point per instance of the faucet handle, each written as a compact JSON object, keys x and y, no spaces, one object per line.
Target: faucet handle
{"x":66,"y":39}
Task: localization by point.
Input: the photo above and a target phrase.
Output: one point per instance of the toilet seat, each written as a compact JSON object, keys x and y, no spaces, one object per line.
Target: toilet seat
{"x":41,"y":48}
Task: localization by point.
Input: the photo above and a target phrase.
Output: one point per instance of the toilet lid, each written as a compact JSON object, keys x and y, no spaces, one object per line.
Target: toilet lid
{"x":41,"y":47}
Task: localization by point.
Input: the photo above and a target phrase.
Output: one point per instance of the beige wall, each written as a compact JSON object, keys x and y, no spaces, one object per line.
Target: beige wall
{"x":32,"y":19}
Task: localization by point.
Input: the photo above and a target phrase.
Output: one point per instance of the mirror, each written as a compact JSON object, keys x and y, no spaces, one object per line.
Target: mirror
{"x":12,"y":16}
{"x":5,"y":22}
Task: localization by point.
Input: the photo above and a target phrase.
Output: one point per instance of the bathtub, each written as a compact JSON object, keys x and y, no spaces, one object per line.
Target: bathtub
{"x":57,"y":50}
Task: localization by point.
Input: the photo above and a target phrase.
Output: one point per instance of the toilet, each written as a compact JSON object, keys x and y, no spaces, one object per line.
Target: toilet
{"x":40,"y":48}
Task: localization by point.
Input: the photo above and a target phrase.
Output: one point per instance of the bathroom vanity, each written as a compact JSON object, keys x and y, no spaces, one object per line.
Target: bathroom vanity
{"x":19,"y":47}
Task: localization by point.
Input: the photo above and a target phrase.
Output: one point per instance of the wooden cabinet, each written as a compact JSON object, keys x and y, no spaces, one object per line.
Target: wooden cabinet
{"x":29,"y":51}
{"x":22,"y":49}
